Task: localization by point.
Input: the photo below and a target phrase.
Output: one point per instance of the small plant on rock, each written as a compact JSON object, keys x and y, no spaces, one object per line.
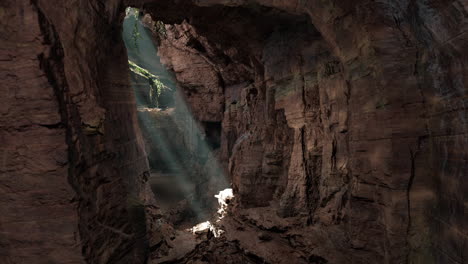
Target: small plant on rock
{"x":156,"y":86}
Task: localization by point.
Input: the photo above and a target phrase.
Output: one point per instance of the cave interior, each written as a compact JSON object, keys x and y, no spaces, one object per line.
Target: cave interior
{"x":234,"y":131}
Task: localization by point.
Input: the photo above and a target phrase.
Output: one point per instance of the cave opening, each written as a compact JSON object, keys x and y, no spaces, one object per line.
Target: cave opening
{"x":185,"y":172}
{"x":236,"y":112}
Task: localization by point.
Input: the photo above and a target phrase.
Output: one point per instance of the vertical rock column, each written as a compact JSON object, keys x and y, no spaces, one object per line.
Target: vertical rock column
{"x":294,"y":200}
{"x":38,"y":216}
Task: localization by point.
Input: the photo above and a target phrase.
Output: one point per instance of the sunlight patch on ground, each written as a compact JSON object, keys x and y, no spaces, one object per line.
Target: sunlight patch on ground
{"x":224,"y":198}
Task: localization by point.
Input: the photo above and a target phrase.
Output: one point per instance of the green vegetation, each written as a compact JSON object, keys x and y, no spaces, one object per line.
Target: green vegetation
{"x":160,"y":29}
{"x":136,"y":39}
{"x":135,"y":32}
{"x":156,"y":86}
{"x":136,"y":36}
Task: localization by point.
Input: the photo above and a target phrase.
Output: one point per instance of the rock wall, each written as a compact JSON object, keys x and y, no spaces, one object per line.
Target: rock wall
{"x":350,"y":116}
{"x":344,"y":127}
{"x":73,"y":166}
{"x":38,"y":214}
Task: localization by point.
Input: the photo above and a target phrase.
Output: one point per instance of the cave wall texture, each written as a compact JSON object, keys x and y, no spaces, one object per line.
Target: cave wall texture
{"x":348,"y":117}
{"x":73,"y":164}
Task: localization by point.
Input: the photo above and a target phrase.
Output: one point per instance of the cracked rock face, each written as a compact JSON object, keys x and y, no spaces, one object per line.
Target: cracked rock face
{"x":73,"y":165}
{"x":343,"y":116}
{"x":343,"y":129}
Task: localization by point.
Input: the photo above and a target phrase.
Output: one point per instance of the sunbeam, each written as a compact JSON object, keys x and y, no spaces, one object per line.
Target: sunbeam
{"x":185,"y":166}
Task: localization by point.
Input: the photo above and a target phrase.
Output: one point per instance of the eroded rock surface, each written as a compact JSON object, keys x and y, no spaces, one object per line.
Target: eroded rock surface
{"x":74,"y":170}
{"x":343,"y":130}
{"x":343,"y":116}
